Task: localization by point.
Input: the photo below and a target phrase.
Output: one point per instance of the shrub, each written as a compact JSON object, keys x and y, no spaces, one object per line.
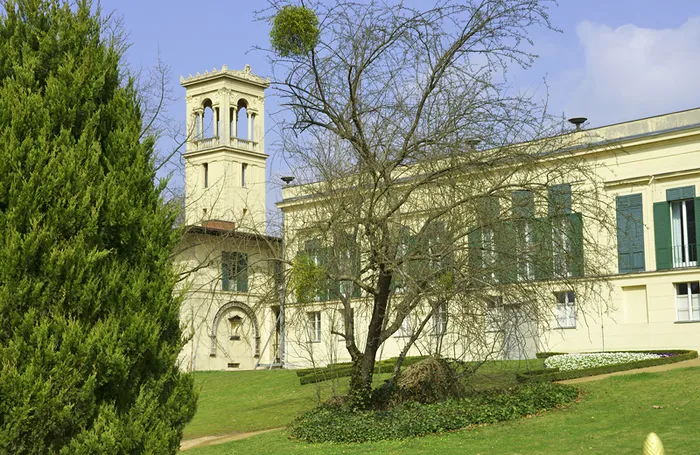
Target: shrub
{"x":332,"y":423}
{"x":430,"y":380}
{"x":544,"y":355}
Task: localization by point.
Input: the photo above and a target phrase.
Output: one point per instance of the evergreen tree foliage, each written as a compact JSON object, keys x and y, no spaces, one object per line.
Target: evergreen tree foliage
{"x":89,"y":328}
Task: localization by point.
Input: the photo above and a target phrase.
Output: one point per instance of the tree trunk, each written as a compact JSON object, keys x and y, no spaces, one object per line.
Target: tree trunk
{"x":360,"y":391}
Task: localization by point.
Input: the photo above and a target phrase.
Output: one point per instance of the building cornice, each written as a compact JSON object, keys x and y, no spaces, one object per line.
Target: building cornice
{"x":244,"y":75}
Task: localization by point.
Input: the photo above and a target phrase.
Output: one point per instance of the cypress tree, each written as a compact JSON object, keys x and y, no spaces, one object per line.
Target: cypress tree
{"x":89,"y":329}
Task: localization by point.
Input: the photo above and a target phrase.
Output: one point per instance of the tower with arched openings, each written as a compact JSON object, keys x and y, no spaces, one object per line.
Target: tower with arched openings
{"x":226,"y":261}
{"x":225,"y":152}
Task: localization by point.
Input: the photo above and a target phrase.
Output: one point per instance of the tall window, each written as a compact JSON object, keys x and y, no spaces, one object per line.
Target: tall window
{"x":559,"y":208}
{"x":566,"y":310}
{"x":676,"y":228}
{"x":318,"y":256}
{"x":683,"y":234}
{"x":234,"y":271}
{"x":440,"y":320}
{"x":347,"y":264}
{"x":483,"y":254}
{"x":524,"y":213}
{"x":314,"y":326}
{"x":205,"y":172}
{"x":406,"y":329}
{"x":493,"y":316}
{"x":488,"y":244}
{"x":688,"y":301}
{"x":244,"y":170}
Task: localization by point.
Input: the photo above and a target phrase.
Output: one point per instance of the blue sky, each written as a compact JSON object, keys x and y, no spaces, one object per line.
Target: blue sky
{"x":615,"y":60}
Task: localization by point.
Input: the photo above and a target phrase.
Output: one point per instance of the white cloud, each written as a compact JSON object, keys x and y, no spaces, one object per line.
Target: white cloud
{"x":632,"y":72}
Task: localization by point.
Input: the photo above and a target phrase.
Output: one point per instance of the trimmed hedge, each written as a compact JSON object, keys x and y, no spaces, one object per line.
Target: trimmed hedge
{"x":544,"y":355}
{"x":339,"y":370}
{"x":332,"y":423}
{"x":553,"y":374}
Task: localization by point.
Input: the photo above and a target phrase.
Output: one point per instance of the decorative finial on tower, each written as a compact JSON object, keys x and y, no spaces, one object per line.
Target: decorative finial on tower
{"x":182,"y":79}
{"x":247,"y":69}
{"x":224,"y":67}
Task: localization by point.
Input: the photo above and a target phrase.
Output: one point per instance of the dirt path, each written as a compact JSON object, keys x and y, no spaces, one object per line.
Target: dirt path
{"x":669,"y":366}
{"x":220,"y":439}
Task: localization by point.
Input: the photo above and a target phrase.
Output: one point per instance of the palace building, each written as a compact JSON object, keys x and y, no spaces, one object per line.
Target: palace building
{"x":239,"y":316}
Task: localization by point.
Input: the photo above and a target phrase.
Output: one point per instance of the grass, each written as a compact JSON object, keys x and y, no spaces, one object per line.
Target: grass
{"x":244,"y":401}
{"x":614,"y":417}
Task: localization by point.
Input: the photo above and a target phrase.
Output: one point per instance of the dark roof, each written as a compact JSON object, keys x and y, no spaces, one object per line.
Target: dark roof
{"x":233,"y":233}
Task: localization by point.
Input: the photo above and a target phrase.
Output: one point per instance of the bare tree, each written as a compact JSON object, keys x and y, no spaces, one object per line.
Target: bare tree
{"x":437,"y":192}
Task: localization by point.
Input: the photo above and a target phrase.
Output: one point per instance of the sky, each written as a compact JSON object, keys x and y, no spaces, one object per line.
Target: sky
{"x":613,"y":61}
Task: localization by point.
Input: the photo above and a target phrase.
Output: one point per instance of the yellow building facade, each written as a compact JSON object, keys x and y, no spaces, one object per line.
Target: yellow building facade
{"x":648,"y":297}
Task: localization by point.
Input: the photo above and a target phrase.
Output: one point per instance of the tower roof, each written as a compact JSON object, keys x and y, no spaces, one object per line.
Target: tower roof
{"x":244,"y":75}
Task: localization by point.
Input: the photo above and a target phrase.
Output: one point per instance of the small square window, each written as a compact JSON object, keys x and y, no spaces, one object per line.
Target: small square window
{"x":688,"y":301}
{"x":566,"y":309}
{"x":314,"y":327}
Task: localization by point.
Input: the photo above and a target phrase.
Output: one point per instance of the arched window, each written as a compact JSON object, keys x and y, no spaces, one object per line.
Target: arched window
{"x":242,"y":120}
{"x":209,"y":119}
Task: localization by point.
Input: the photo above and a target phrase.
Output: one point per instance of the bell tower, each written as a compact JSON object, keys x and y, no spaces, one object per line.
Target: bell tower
{"x":225,"y":152}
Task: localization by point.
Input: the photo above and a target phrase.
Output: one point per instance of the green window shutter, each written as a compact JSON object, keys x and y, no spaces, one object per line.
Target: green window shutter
{"x":225,"y":271}
{"x":326,"y":288}
{"x":523,"y":204}
{"x":419,"y":249}
{"x":630,"y":233}
{"x":662,"y":236}
{"x":576,"y":241}
{"x":680,"y":193}
{"x":507,"y":262}
{"x":355,"y":265}
{"x":559,"y":197}
{"x":542,"y":246}
{"x":242,"y":272}
{"x":475,"y":253}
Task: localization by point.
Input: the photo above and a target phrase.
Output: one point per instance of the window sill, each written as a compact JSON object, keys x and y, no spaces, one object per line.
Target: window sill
{"x":314,"y":341}
{"x":696,"y":321}
{"x":567,"y":328}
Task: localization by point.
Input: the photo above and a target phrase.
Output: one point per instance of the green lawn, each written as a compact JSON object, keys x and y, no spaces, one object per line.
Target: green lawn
{"x":614,"y":417}
{"x":243,"y":401}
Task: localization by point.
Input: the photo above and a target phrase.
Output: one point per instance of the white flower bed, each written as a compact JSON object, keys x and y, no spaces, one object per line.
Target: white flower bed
{"x":567,"y":362}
